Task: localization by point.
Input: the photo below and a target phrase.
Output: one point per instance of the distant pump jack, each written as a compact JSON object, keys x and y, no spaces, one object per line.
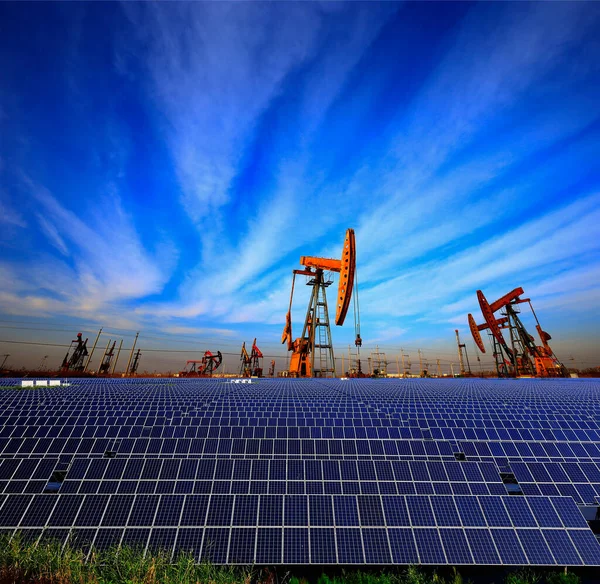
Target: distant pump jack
{"x":521,"y":356}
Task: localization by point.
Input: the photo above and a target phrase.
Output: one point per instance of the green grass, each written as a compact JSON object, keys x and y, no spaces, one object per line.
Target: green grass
{"x":48,"y":562}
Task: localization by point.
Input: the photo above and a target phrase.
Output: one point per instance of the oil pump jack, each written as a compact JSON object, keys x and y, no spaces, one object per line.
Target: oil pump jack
{"x":204,"y":367}
{"x":312,"y":352}
{"x":75,"y":362}
{"x":107,"y":358}
{"x":251,"y":365}
{"x":523,"y":357}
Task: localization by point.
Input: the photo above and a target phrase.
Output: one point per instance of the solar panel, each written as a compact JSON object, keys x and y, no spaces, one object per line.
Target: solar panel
{"x":456,"y":546}
{"x":309,"y":471}
{"x":429,"y":546}
{"x":508,"y":547}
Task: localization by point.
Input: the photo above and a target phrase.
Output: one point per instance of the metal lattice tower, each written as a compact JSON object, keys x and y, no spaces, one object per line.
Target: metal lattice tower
{"x":320,"y":332}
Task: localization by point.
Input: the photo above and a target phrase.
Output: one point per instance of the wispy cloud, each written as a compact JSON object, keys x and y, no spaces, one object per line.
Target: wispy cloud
{"x":107,"y":262}
{"x":8,"y":214}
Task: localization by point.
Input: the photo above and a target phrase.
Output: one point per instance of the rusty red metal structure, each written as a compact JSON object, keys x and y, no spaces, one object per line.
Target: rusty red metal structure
{"x":520,"y":356}
{"x":204,"y":367}
{"x":251,"y":363}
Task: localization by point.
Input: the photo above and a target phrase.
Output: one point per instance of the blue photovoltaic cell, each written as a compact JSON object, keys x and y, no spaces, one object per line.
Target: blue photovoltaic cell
{"x":169,"y":510}
{"x":470,"y":511}
{"x":370,"y":511}
{"x":377,"y":549}
{"x":269,"y":542}
{"x":561,"y":547}
{"x":346,"y":511}
{"x":349,"y":546}
{"x":544,"y":512}
{"x":321,"y":510}
{"x":482,"y":546}
{"x":587,"y":546}
{"x":117,"y":511}
{"x":420,"y":510}
{"x":429,"y":546}
{"x":445,"y":511}
{"x":245,"y":510}
{"x":295,"y":545}
{"x":194,"y":510}
{"x":241,"y":547}
{"x":38,"y":511}
{"x":91,"y":510}
{"x":107,"y":538}
{"x":535,"y":547}
{"x":322,"y":546}
{"x":190,"y":540}
{"x":402,"y":543}
{"x":494,"y":511}
{"x":519,"y":511}
{"x":161,"y":539}
{"x":219,"y":510}
{"x":13,"y":509}
{"x":65,"y":510}
{"x":296,"y":510}
{"x":396,"y":512}
{"x":568,"y":512}
{"x":508,"y":546}
{"x":143,"y":510}
{"x":456,"y":546}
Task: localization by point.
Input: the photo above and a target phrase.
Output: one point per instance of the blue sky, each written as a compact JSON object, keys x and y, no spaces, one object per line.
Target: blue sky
{"x":164,"y":165}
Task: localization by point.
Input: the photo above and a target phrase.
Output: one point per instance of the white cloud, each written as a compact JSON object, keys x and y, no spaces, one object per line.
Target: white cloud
{"x":8,"y":214}
{"x":107,"y":264}
{"x":52,"y":234}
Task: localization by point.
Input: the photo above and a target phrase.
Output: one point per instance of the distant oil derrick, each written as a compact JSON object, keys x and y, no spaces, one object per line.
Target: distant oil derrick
{"x":107,"y":358}
{"x":204,"y":367}
{"x":520,"y":356}
{"x":378,"y":363}
{"x":75,"y":361}
{"x":136,"y":363}
{"x":251,"y":363}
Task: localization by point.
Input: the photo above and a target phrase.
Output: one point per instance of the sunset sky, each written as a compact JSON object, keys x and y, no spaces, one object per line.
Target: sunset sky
{"x":163,"y":166}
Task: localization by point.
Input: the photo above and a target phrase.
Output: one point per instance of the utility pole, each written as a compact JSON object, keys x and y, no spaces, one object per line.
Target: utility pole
{"x":87,"y":363}
{"x":439,"y":369}
{"x":420,"y":361}
{"x":343,"y":370}
{"x":6,"y":356}
{"x":452,"y":369}
{"x":571,"y":358}
{"x":349,"y":360}
{"x":131,"y":354}
{"x":117,"y":357}
{"x":398,"y":365}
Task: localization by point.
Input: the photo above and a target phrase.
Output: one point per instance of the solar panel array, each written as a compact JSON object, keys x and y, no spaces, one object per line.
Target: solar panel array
{"x":308,"y":471}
